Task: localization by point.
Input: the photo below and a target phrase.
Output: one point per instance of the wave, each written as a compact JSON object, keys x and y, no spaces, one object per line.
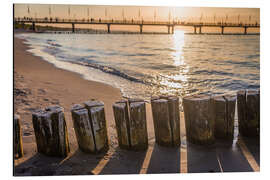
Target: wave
{"x":209,"y":72}
{"x":110,"y":70}
{"x":51,"y":42}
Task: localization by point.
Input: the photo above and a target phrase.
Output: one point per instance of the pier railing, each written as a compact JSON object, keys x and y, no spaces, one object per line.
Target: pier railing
{"x":141,"y":23}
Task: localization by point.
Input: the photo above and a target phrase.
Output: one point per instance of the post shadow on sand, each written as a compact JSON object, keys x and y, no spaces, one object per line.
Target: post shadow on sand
{"x":164,"y":160}
{"x":37,"y":165}
{"x":222,"y":156}
{"x":253,"y":145}
{"x":231,"y":157}
{"x":201,"y":159}
{"x":124,"y":162}
{"x":78,"y":163}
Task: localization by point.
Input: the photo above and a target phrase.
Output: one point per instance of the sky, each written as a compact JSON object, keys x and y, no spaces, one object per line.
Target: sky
{"x":147,"y":13}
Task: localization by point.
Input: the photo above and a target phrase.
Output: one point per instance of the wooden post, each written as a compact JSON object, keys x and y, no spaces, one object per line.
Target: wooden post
{"x":51,"y":131}
{"x":130,"y":120}
{"x":82,"y":127}
{"x":121,"y":118}
{"x":222,"y":29}
{"x":199,"y":119}
{"x":161,"y":118}
{"x":141,"y":28}
{"x":253,"y":113}
{"x":109,"y":28}
{"x":248,"y":105}
{"x":166,"y":118}
{"x":18,"y":146}
{"x":98,"y":124}
{"x":245,"y":30}
{"x":224,"y":111}
{"x":73,"y":28}
{"x":241,"y":111}
{"x":174,"y":119}
{"x":138,"y":127}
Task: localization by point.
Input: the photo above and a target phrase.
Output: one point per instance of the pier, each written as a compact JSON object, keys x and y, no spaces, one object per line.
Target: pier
{"x":108,"y":23}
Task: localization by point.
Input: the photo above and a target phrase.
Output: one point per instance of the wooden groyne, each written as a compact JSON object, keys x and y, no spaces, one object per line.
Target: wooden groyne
{"x":207,"y":119}
{"x":248,"y":105}
{"x":51,"y":131}
{"x":199,"y":119}
{"x":130,"y":120}
{"x":17,"y":133}
{"x":224,"y":112}
{"x":90,"y":126}
{"x":166,"y":117}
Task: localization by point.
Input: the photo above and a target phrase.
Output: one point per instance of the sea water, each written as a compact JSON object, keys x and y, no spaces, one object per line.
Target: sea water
{"x":145,"y":65}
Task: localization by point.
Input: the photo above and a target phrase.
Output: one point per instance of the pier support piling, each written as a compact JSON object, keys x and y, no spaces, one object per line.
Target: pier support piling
{"x":18,"y":146}
{"x":51,"y":131}
{"x":194,"y":29}
{"x":222,"y":29}
{"x":141,"y":28}
{"x":109,"y":28}
{"x":73,"y":28}
{"x":34,"y":26}
{"x":200,"y":30}
{"x":172,"y":29}
{"x":169,"y":29}
{"x":198,"y":118}
{"x":245,"y":30}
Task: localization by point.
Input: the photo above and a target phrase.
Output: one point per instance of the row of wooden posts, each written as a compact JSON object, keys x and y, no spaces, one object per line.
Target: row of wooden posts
{"x":207,"y":119}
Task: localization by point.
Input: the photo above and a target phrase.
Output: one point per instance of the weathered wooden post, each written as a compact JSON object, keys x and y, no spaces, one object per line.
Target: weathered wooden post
{"x":130,"y":120}
{"x":174,"y":114}
{"x":161,"y":119}
{"x":165,"y":110}
{"x":98,"y":124}
{"x":51,"y":131}
{"x":121,"y":118}
{"x":224,"y":111}
{"x":248,"y":104}
{"x":82,"y":127}
{"x":241,"y":111}
{"x":18,"y":146}
{"x":199,"y":119}
{"x":138,"y":126}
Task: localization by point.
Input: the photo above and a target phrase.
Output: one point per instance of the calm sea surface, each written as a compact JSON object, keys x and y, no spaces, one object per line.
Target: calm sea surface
{"x":145,"y":65}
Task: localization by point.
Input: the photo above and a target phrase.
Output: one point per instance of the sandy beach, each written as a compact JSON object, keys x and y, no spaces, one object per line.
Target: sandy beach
{"x":38,"y":84}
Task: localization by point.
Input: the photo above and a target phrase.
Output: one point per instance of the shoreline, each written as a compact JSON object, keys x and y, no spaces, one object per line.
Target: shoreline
{"x":39,"y":83}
